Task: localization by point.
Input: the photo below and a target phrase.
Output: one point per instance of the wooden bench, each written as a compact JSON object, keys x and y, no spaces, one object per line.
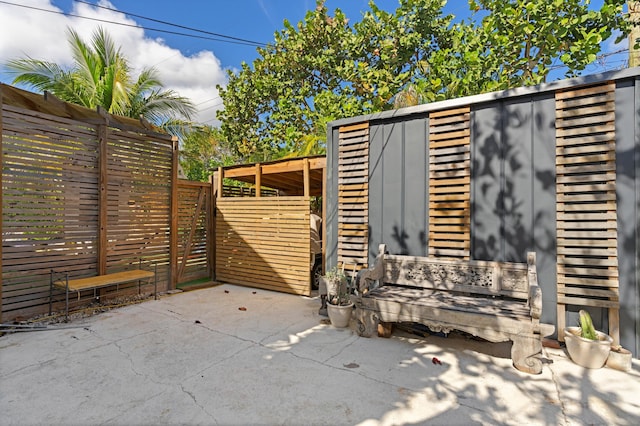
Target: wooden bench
{"x":61,"y":280}
{"x":497,"y":301}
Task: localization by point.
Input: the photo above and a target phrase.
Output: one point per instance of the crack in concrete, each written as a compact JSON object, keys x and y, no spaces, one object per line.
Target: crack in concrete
{"x":556,"y":384}
{"x":195,"y":401}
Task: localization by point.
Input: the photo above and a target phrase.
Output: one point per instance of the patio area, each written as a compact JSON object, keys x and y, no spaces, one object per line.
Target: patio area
{"x":237,"y":355}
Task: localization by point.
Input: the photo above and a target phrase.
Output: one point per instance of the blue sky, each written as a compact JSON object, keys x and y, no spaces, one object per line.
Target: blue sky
{"x":193,"y":67}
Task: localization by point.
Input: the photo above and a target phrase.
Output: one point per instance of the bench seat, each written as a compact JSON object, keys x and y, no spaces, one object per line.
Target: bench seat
{"x":62,"y":281}
{"x":497,"y":301}
{"x":99,"y":281}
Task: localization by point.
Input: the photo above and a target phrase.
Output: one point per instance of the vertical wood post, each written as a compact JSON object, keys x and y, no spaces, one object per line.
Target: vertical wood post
{"x":173,"y":234}
{"x":258,"y":179}
{"x":220,"y":179}
{"x":103,"y":165}
{"x":211,"y":233}
{"x":305,"y":176}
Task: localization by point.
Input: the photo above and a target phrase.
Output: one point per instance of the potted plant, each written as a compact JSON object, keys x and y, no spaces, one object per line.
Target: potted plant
{"x":339,"y":305}
{"x":586,"y":346}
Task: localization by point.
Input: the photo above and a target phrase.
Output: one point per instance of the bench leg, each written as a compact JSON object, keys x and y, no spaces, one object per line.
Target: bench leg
{"x":385,"y":329}
{"x":50,"y":291}
{"x":525,"y":354}
{"x":366,"y":322}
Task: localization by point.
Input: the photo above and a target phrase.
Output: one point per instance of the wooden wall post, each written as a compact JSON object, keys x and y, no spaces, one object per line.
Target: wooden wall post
{"x":103,"y":164}
{"x":211,"y":233}
{"x":173,"y":235}
{"x":305,"y":176}
{"x":258,"y":179}
{"x":220,"y":179}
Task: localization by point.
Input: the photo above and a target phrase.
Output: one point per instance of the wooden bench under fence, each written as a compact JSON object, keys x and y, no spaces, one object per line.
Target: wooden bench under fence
{"x":61,"y":280}
{"x":497,"y":301}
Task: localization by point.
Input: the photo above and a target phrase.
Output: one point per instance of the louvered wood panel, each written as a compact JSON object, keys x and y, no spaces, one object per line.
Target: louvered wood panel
{"x":138,"y":199}
{"x":587,"y":258}
{"x":353,"y":195}
{"x":449,"y":183}
{"x":264,"y":243}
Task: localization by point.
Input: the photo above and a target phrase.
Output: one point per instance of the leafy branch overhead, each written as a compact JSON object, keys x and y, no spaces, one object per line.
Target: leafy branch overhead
{"x":327,"y":67}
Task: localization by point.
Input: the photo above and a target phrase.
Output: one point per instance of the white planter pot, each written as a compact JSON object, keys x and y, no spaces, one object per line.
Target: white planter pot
{"x":340,"y":315}
{"x":584,"y":352}
{"x":620,"y":359}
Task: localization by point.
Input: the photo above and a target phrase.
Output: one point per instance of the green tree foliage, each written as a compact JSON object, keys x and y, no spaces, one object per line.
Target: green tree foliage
{"x":325,"y":68}
{"x":527,"y":38}
{"x":202,"y":150}
{"x":101,"y":76}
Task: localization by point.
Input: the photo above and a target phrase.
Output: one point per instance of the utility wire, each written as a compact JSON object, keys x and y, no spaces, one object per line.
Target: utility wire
{"x":135,"y":26}
{"x":172,"y":24}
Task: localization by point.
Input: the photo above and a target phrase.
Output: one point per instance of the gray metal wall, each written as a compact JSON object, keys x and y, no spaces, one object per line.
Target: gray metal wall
{"x":513,"y":190}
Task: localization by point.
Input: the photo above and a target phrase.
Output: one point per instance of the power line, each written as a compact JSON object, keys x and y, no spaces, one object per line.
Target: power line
{"x":223,"y":40}
{"x":172,"y":24}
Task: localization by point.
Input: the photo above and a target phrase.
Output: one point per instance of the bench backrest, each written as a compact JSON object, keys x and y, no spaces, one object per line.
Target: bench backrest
{"x":468,"y":276}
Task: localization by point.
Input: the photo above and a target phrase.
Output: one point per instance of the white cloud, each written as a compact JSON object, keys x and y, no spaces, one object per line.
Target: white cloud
{"x":25,"y":31}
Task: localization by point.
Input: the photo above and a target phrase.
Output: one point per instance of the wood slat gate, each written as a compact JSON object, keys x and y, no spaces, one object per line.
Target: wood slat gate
{"x":195,"y":231}
{"x":263,"y":242}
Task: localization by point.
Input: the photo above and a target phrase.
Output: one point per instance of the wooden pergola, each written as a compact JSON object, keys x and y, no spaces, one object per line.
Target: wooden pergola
{"x":291,"y":177}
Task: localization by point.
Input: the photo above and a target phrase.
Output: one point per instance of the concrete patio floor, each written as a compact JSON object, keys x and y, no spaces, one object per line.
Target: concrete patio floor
{"x":196,"y":358}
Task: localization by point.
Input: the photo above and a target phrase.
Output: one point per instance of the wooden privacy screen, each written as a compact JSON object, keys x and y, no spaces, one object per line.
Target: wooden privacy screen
{"x":264,"y":243}
{"x":139,"y":198}
{"x":49,"y":206}
{"x":353,"y":196}
{"x":84,"y":192}
{"x":449,"y":183}
{"x":194,"y":231}
{"x":586,"y":195}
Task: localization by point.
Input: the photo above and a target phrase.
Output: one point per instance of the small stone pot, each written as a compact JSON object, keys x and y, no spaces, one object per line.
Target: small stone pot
{"x":619,"y":358}
{"x":585,"y":352}
{"x":340,"y":315}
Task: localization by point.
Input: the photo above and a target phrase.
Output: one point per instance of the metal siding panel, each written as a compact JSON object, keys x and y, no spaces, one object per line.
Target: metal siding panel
{"x":376,"y":199}
{"x":517,"y":170}
{"x":392,"y":208}
{"x":627,"y":164}
{"x":544,"y":201}
{"x":415,"y":186}
{"x":486,"y":177}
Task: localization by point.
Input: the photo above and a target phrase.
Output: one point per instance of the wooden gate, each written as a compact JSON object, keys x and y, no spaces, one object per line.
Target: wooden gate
{"x":263,"y":242}
{"x":195,"y":230}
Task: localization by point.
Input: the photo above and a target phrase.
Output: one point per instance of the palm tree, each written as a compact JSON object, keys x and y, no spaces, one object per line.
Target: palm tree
{"x":101,"y":76}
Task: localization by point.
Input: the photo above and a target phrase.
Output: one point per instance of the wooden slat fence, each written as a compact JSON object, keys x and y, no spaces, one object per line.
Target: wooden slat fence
{"x":50,"y":205}
{"x":264,"y":243}
{"x":83,"y":192}
{"x":587,"y":267}
{"x":449,"y":183}
{"x":353,"y":196}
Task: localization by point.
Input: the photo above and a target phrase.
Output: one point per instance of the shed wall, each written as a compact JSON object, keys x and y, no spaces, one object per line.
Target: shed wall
{"x":513,"y":191}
